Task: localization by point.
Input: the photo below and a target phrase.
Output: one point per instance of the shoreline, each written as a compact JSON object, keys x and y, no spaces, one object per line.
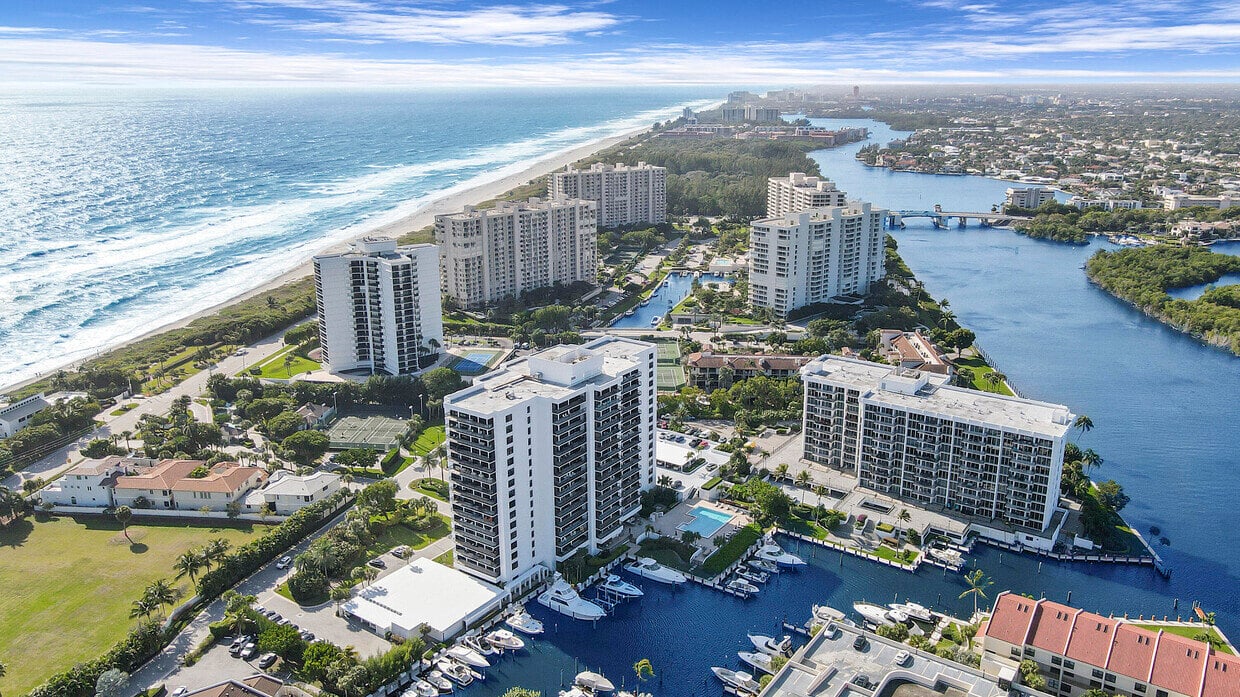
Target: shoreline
{"x":448,"y":202}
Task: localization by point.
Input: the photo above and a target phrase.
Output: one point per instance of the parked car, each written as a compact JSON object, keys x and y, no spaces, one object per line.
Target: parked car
{"x":860,"y":643}
{"x":180,"y":691}
{"x":250,"y":649}
{"x":235,"y":650}
{"x":307,"y":636}
{"x":235,"y":641}
{"x":377,"y":563}
{"x":402,"y":551}
{"x":862,"y":681}
{"x":284,"y":562}
{"x":902,"y":658}
{"x":267,"y":660}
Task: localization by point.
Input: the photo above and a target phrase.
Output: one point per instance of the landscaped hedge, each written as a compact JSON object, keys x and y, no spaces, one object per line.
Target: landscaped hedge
{"x":712,"y":483}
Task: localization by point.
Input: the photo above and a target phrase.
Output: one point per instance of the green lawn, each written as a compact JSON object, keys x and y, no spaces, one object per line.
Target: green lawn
{"x":1192,"y":633}
{"x":447,"y":558}
{"x":980,"y":370}
{"x":420,"y":487}
{"x":68,"y":586}
{"x":432,"y":437}
{"x":274,"y":366}
{"x":886,"y":552}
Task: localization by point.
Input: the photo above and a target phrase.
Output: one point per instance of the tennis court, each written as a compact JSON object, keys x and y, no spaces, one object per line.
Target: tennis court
{"x":377,"y":432}
{"x":475,"y":361}
{"x":670,"y":378}
{"x":668,"y":352}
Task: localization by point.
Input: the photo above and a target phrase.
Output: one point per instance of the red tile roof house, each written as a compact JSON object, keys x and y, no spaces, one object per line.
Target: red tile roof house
{"x":168,"y":485}
{"x":1077,"y":651}
{"x":702,"y":368}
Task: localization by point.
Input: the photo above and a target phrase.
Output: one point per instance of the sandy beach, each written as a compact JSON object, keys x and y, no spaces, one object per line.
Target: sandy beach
{"x":420,"y":218}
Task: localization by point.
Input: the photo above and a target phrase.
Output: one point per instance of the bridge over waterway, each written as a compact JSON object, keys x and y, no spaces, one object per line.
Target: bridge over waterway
{"x":941,"y":218}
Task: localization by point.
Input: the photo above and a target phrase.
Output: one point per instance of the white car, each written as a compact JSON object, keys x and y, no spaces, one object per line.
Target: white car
{"x":180,"y":691}
{"x":284,"y":562}
{"x":902,"y":658}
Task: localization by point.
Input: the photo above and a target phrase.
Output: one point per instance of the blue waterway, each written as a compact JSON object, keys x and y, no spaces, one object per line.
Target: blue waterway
{"x":123,"y":210}
{"x":1194,"y":292}
{"x":675,"y":287}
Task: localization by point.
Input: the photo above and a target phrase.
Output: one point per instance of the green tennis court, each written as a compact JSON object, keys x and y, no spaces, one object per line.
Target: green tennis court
{"x":377,"y":432}
{"x":670,"y":377}
{"x":668,"y":352}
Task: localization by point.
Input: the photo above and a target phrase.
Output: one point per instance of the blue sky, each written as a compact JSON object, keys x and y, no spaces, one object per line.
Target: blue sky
{"x":724,"y":42}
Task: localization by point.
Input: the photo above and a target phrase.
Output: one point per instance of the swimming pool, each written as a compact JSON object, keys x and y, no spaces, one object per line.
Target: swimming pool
{"x":706,"y":521}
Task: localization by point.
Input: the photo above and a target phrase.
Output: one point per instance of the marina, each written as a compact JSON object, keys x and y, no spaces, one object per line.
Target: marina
{"x":674,"y":288}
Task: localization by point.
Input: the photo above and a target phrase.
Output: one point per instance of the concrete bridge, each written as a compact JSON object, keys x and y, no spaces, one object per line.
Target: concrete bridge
{"x":940,"y":218}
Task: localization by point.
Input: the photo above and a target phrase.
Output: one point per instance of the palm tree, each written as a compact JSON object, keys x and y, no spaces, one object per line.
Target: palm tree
{"x":288,"y":364}
{"x":123,"y":515}
{"x":161,"y":593}
{"x":803,"y":478}
{"x":142,"y":608}
{"x":126,"y":435}
{"x":340,"y":594}
{"x":189,"y":564}
{"x":1090,"y":459}
{"x":216,"y":550}
{"x":978,"y":583}
{"x":781,"y":471}
{"x":904,"y":516}
{"x":237,"y":608}
{"x":1084,"y":424}
{"x":995,"y":379}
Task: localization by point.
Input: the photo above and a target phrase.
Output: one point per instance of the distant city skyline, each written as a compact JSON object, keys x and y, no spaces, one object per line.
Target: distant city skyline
{"x":620,"y":42}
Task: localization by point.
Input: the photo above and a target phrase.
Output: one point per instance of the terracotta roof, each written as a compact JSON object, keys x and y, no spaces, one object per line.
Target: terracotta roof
{"x":1012,"y":619}
{"x":1052,"y":625}
{"x":1132,"y":652}
{"x":1222,"y":677}
{"x":173,"y":475}
{"x":254,"y":686}
{"x":1091,"y":638}
{"x":1179,"y":663}
{"x":746,"y":362}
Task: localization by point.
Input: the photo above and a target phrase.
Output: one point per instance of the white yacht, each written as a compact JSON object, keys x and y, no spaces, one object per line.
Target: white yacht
{"x":875,"y":614}
{"x":764,"y":566}
{"x":593,"y":682}
{"x":524,"y":622}
{"x":422,"y":688}
{"x":770,"y":646}
{"x":456,"y":672}
{"x":948,"y":556}
{"x":826,"y":613}
{"x":776,"y":555}
{"x":753,"y":575}
{"x":653,"y":570}
{"x":562,"y":598}
{"x":898,"y":616}
{"x":740,"y":585}
{"x":736,"y":678}
{"x":506,"y":640}
{"x":914,"y":610}
{"x":436,"y":678}
{"x":759,"y":661}
{"x":468,"y":656}
{"x":617,"y":585}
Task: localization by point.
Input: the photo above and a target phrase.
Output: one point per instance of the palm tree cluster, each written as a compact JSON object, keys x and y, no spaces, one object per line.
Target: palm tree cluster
{"x":154,"y":598}
{"x":201,"y":559}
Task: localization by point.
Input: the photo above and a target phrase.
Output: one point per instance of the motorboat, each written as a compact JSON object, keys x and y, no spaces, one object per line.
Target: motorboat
{"x":436,"y":678}
{"x":506,"y":640}
{"x":759,"y":661}
{"x":468,"y":656}
{"x":563,"y":598}
{"x":770,"y":646}
{"x":740,"y":585}
{"x":898,"y":616}
{"x":655,"y":321}
{"x":481,"y":645}
{"x":777,"y":556}
{"x":645,"y":302}
{"x":422,"y":688}
{"x":592,"y":682}
{"x":764,"y":566}
{"x":753,"y":575}
{"x":524,"y":622}
{"x":948,"y":556}
{"x":619,"y":586}
{"x":456,"y":672}
{"x":914,"y":610}
{"x":628,"y":313}
{"x":875,"y":614}
{"x":653,"y":570}
{"x":736,"y":678}
{"x":826,"y":613}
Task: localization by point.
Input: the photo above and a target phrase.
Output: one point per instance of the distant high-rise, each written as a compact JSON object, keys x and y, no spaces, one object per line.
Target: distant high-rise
{"x":813,"y":256}
{"x":909,"y":435}
{"x":501,"y":252}
{"x":379,"y":306}
{"x":797,"y":192}
{"x":624,"y":194}
{"x":1029,"y":197}
{"x":549,"y":455}
{"x":749,"y":112}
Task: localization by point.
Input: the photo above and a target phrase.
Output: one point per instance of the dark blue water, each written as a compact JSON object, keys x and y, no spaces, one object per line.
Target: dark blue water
{"x":675,"y":287}
{"x":1194,"y":292}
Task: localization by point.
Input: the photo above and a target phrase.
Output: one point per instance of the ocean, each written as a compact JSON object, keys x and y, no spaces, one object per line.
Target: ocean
{"x":121,"y":211}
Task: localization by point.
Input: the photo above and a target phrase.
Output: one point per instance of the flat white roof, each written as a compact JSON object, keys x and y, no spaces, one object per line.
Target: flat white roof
{"x":999,"y":411}
{"x":424,"y":591}
{"x":299,"y":485}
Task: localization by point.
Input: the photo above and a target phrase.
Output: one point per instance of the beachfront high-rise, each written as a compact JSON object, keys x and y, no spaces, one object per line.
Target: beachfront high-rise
{"x":813,"y":256}
{"x":379,"y":307}
{"x":909,"y":435}
{"x":625,"y":194}
{"x":497,"y":253}
{"x":798,"y":192}
{"x":549,"y":455}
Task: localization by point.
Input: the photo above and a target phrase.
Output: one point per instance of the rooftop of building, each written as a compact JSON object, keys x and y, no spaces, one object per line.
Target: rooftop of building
{"x":1162,"y":658}
{"x":254,"y":686}
{"x":533,"y":203}
{"x":707,"y":359}
{"x":801,"y":180}
{"x":823,"y":214}
{"x":174,"y":475}
{"x":104,"y":465}
{"x":381,"y":247}
{"x":12,"y":411}
{"x":926,"y":392}
{"x":608,"y":167}
{"x":284,"y":483}
{"x":423,"y":591}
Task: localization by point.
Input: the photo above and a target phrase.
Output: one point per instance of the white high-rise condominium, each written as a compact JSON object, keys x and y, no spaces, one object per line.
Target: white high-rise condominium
{"x":1029,"y":197}
{"x":813,"y":256}
{"x":909,"y":435}
{"x":379,"y":306}
{"x":797,"y":192}
{"x":625,"y":194}
{"x":501,"y":252}
{"x":549,"y":455}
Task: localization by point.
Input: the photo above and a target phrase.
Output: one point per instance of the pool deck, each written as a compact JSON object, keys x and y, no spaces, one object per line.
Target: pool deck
{"x":727,"y":526}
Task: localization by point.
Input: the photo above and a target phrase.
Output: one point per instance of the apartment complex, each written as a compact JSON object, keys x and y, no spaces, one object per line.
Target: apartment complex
{"x":185,"y":485}
{"x":710,"y":371}
{"x":379,"y":307}
{"x":912,"y":350}
{"x":797,"y":192}
{"x":909,"y":435}
{"x":1029,"y":197}
{"x":1176,"y":201}
{"x":501,"y":252}
{"x":1077,"y":651}
{"x":623,"y":194}
{"x":549,"y":455}
{"x":813,"y":256}
{"x":1104,"y":204}
{"x":749,"y":112}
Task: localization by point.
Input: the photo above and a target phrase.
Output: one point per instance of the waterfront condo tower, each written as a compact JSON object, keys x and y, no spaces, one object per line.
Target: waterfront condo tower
{"x":624,"y":194}
{"x":909,"y":435}
{"x":797,"y":192}
{"x":498,"y":253}
{"x":549,"y":455}
{"x":379,"y":307}
{"x":814,"y":256}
